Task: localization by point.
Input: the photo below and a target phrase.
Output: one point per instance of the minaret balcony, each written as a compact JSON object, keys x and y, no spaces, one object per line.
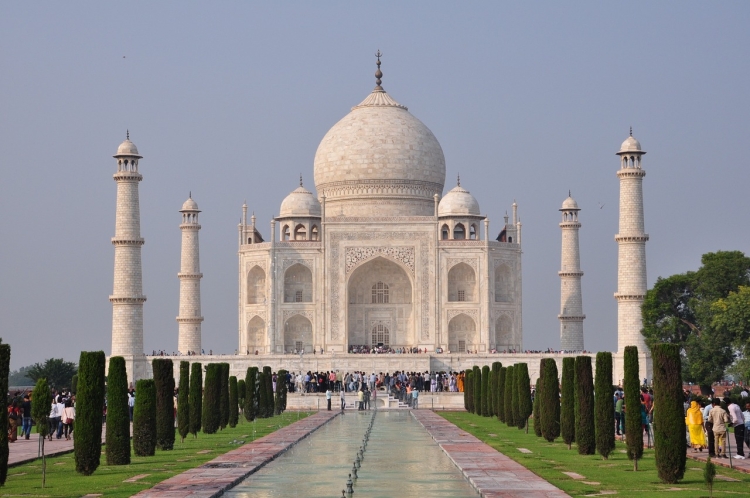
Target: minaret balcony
{"x":627,"y":296}
{"x":189,"y":319}
{"x":121,"y":241}
{"x":127,"y":300}
{"x":632,"y":238}
{"x":631,"y":173}
{"x":570,"y":273}
{"x":571,"y":318}
{"x":189,"y":275}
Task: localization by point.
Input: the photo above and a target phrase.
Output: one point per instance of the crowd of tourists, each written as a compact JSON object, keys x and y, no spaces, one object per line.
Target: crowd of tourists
{"x":61,"y":416}
{"x":320,"y":382}
{"x":708,"y":422}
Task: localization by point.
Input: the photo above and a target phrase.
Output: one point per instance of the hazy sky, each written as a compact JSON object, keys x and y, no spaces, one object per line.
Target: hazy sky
{"x":231,"y":100}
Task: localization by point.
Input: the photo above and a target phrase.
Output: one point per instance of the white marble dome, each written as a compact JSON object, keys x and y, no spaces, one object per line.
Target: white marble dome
{"x":127,"y":148}
{"x":300,"y":203}
{"x":630,"y":145}
{"x":380,"y":155}
{"x":458,"y":202}
{"x":569,"y":204}
{"x":189,"y":205}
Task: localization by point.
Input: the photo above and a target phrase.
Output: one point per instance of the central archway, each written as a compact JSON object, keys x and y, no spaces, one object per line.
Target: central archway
{"x":379,"y":299}
{"x":298,"y":335}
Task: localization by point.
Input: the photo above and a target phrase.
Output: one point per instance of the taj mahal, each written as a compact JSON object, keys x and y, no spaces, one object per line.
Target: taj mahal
{"x":377,"y":259}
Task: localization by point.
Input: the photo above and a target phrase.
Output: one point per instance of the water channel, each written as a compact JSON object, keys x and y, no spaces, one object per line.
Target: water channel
{"x":400,"y":461}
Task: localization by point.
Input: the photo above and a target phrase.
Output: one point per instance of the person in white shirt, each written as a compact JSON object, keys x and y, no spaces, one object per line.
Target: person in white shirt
{"x":54,"y":419}
{"x":738,"y":422}
{"x":60,"y":408}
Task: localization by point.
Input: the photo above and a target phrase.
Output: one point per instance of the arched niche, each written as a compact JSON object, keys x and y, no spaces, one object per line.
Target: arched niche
{"x":462,"y":334}
{"x":256,"y":335}
{"x":298,"y":335}
{"x":379,"y":292}
{"x":504,"y":332}
{"x":459,"y":231}
{"x":503,"y":284}
{"x":256,"y":285}
{"x":462,"y":283}
{"x":300,"y":232}
{"x":298,"y":286}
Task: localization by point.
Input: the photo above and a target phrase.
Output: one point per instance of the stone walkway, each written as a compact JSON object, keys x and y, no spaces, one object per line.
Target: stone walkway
{"x":493,"y":474}
{"x":739,"y":465}
{"x":24,"y":450}
{"x":228,"y":470}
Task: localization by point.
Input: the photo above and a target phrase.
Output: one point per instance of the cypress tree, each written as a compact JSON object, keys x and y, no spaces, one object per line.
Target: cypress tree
{"x":269,"y":391}
{"x":144,"y":418}
{"x":604,"y":405}
{"x":195,"y":399}
{"x":476,"y":389}
{"x":495,"y":381}
{"x":73,"y":384}
{"x":492,"y":393}
{"x":584,"y":409}
{"x":251,"y":393}
{"x":241,"y":395}
{"x":514,"y":396}
{"x":523,"y":381}
{"x":164,"y":383}
{"x":87,"y":442}
{"x":262,"y":395}
{"x":633,"y":424}
{"x":468,"y":395}
{"x":183,"y":401}
{"x":535,"y":409}
{"x":233,"y":402}
{"x":4,"y":449}
{"x":669,"y":419}
{"x":485,"y":391}
{"x":40,"y":408}
{"x":224,"y":395}
{"x":117,"y":436}
{"x":508,"y":397}
{"x":568,"y":402}
{"x":280,"y":404}
{"x":501,"y":394}
{"x":211,"y":392}
{"x":549,"y":406}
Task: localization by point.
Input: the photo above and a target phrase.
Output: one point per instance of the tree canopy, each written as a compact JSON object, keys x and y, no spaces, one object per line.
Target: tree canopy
{"x":705,"y":312}
{"x":57,"y":371}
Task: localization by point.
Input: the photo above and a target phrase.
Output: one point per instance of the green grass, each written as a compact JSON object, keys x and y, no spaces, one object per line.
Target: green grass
{"x":550,"y":460}
{"x":63,"y":480}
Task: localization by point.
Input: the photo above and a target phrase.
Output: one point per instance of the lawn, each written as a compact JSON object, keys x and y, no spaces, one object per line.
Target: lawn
{"x":63,"y":480}
{"x":550,"y":460}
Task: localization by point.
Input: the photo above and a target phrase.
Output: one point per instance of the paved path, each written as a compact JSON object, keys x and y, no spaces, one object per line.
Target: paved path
{"x":493,"y":474}
{"x":24,"y":450}
{"x":740,"y":465}
{"x":228,"y":470}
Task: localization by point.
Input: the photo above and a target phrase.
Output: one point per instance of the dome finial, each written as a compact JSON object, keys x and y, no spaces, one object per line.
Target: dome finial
{"x":190,"y":195}
{"x":568,"y":192}
{"x":631,"y":131}
{"x":300,"y":179}
{"x":378,"y":73}
{"x":127,"y":134}
{"x":458,"y":180}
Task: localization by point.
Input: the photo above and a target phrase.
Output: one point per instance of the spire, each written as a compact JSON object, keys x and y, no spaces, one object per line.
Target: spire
{"x":127,"y":134}
{"x":300,"y":180}
{"x":378,"y":73}
{"x":568,"y":192}
{"x":458,"y":180}
{"x":190,"y":195}
{"x":631,"y":131}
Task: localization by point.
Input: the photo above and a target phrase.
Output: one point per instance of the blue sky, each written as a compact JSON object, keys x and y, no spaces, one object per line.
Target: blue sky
{"x":230,"y":100}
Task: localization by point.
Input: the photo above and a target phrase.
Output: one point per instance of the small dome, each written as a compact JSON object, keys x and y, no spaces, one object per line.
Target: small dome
{"x":458,"y":202}
{"x":630,"y":145}
{"x":301,"y":203}
{"x":127,"y":148}
{"x":189,"y":205}
{"x":569,"y":204}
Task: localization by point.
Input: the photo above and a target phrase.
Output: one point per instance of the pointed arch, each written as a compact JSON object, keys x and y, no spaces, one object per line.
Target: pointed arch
{"x":462,"y":283}
{"x":298,"y":335}
{"x":314,"y":232}
{"x":256,"y":335}
{"x":256,"y":285}
{"x":285,"y":233}
{"x":462,"y":334}
{"x":503,"y":284}
{"x":504,"y":332}
{"x":298,"y":285}
{"x":445,"y":232}
{"x":300,"y":232}
{"x":459,"y":231}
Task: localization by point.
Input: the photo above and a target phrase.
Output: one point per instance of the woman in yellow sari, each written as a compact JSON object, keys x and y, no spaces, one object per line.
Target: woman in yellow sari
{"x":460,"y":382}
{"x":694,"y":421}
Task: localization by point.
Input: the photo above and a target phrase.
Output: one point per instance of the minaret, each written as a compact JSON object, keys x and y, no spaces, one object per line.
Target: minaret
{"x":127,"y":296}
{"x":631,"y":242}
{"x":189,"y":320}
{"x":571,"y":302}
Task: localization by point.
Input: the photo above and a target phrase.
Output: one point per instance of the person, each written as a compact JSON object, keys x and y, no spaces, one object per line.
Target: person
{"x":26,"y":413}
{"x":746,"y":416}
{"x":328,"y":398}
{"x":709,"y":431}
{"x":694,"y":422}
{"x":67,"y":419}
{"x":54,"y":419}
{"x":342,"y":394}
{"x":738,"y":423}
{"x":415,"y":399}
{"x":719,"y":418}
{"x":618,"y":413}
{"x":131,"y":403}
{"x":361,"y":398}
{"x":60,"y":408}
{"x":13,"y":416}
{"x":367,"y":398}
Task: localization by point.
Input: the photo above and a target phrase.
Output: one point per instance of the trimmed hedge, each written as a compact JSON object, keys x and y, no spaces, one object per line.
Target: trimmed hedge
{"x":117,"y":438}
{"x":508,"y":396}
{"x":568,"y":402}
{"x":164,"y":382}
{"x":241,"y":394}
{"x":87,"y":442}
{"x":4,"y":449}
{"x":224,"y":396}
{"x":631,"y":386}
{"x":485,"y":391}
{"x":549,"y":403}
{"x":144,"y":418}
{"x":183,"y":401}
{"x":494,"y":380}
{"x":195,"y":399}
{"x":535,"y":409}
{"x":669,"y":418}
{"x":211,"y":393}
{"x":584,"y":409}
{"x":468,"y":395}
{"x":604,"y":405}
{"x":251,"y":394}
{"x":476,"y":389}
{"x":233,"y":402}
{"x":501,"y":393}
{"x":280,"y":404}
{"x":523,"y":383}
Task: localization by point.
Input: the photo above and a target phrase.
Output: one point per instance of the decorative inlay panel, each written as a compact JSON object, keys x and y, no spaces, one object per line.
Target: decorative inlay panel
{"x":261,"y":263}
{"x":260,"y":313}
{"x":469,"y":261}
{"x":291,"y":262}
{"x":474,"y":313}
{"x":356,"y":255}
{"x":309,"y":314}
